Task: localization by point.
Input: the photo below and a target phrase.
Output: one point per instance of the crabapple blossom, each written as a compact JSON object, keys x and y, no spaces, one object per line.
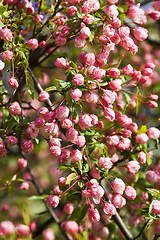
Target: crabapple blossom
{"x":78,"y":79}
{"x":118,"y":186}
{"x":109,"y":209}
{"x":85,"y":121}
{"x":32,"y":43}
{"x":94,"y":215}
{"x":76,"y":94}
{"x":22,"y":230}
{"x":142,"y":138}
{"x":151,"y":177}
{"x":21,"y":163}
{"x":71,"y":227}
{"x":7,"y":228}
{"x":53,"y":200}
{"x":43,"y":96}
{"x":48,"y":234}
{"x":109,"y":114}
{"x":118,"y":201}
{"x":11,"y":141}
{"x":7,"y":56}
{"x":105,"y":162}
{"x":62,"y":112}
{"x":133,"y":166}
{"x":156,"y":206}
{"x":130,"y":193}
{"x":153,"y":133}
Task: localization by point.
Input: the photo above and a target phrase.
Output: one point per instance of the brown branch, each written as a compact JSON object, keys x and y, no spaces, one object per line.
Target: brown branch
{"x":156,"y":237}
{"x":141,"y":231}
{"x":118,"y":220}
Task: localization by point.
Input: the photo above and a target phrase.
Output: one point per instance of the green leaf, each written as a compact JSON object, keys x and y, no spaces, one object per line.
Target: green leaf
{"x":1,"y":24}
{"x":91,"y":36}
{"x":38,"y":197}
{"x":78,"y":214}
{"x":29,"y":83}
{"x":71,"y":177}
{"x":142,"y":129}
{"x":153,"y":192}
{"x":74,"y":66}
{"x":50,"y":89}
{"x":26,"y":216}
{"x":138,"y":101}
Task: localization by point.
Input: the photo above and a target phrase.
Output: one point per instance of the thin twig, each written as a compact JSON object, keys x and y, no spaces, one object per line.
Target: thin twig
{"x":156,"y":237}
{"x":141,"y":231}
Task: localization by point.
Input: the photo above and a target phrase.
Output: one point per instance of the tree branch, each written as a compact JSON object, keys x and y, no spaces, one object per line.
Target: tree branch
{"x":141,"y":231}
{"x":118,"y":220}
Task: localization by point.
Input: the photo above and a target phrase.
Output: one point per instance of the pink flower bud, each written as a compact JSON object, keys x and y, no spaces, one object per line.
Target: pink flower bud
{"x":24,"y":185}
{"x":140,"y":33}
{"x":94,"y":215}
{"x":71,"y":135}
{"x":111,"y":11}
{"x":151,"y":177}
{"x":109,"y":209}
{"x":89,"y":19}
{"x":68,"y":208}
{"x":42,"y":112}
{"x":142,"y":138}
{"x":124,"y":31}
{"x":66,"y":123}
{"x":39,"y":122}
{"x":116,"y":85}
{"x":52,"y":128}
{"x":62,"y":181}
{"x":71,"y":227}
{"x":85,"y":33}
{"x":109,"y":114}
{"x":53,"y":200}
{"x":48,"y":234}
{"x":80,"y":141}
{"x":152,"y":104}
{"x":3,"y":151}
{"x":43,"y":44}
{"x":118,"y":186}
{"x":128,"y":70}
{"x":6,"y":34}
{"x":79,"y":42}
{"x":11,"y":141}
{"x":7,"y":56}
{"x":114,"y":72}
{"x":15,"y":109}
{"x":85,"y":121}
{"x":90,"y":97}
{"x":89,"y":59}
{"x":118,"y":201}
{"x":13,"y":83}
{"x":130,"y":193}
{"x":78,"y":79}
{"x":60,"y":63}
{"x":95,"y":173}
{"x":142,"y":157}
{"x":76,"y":155}
{"x":60,"y":40}
{"x":105,"y":162}
{"x":57,"y":190}
{"x":99,"y":73}
{"x":38,"y":18}
{"x":22,"y":230}
{"x":153,"y":133}
{"x":32,"y":43}
{"x":22,"y":163}
{"x":72,"y":10}
{"x":76,"y":94}
{"x":6,"y":228}
{"x":156,"y":206}
{"x":133,"y":166}
{"x":43,"y":96}
{"x":27,"y":146}
{"x":33,"y":226}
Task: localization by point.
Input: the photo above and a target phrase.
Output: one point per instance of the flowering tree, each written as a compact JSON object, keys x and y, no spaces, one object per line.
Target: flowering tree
{"x":79,"y":120}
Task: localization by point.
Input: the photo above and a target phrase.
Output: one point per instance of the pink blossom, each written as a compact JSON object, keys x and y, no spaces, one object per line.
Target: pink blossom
{"x":39,"y":122}
{"x":109,"y":114}
{"x":114,"y":72}
{"x":153,"y":133}
{"x":95,"y":173}
{"x":116,"y":85}
{"x":68,"y":208}
{"x":130,"y":193}
{"x":71,"y":227}
{"x":7,"y":56}
{"x":98,"y":73}
{"x":48,"y":234}
{"x":15,"y":108}
{"x":66,"y":123}
{"x":7,"y":228}
{"x":38,"y":18}
{"x":109,"y":209}
{"x":79,"y":42}
{"x":22,"y":230}
{"x":118,"y":186}
{"x":124,"y":32}
{"x":27,"y":146}
{"x":140,"y":33}
{"x":78,"y":79}
{"x":55,"y":150}
{"x":60,"y":62}
{"x":60,"y":40}
{"x":89,"y":19}
{"x":142,"y":157}
{"x":118,"y":201}
{"x":142,"y":138}
{"x":111,"y":11}
{"x":156,"y":206}
{"x":85,"y":32}
{"x":105,"y":162}
{"x":81,"y":141}
{"x":151,"y":177}
{"x":76,"y":155}
{"x":32,"y":43}
{"x":62,"y":112}
{"x":90,"y":97}
{"x":76,"y":94}
{"x":2,"y":65}
{"x":42,"y":112}
{"x":53,"y":200}
{"x":6,"y":34}
{"x":11,"y":141}
{"x":137,"y":14}
{"x":94,"y":215}
{"x":21,"y":163}
{"x":128,"y":70}
{"x":32,"y":131}
{"x":133,"y":166}
{"x":13,"y":83}
{"x":85,"y":121}
{"x":71,"y":135}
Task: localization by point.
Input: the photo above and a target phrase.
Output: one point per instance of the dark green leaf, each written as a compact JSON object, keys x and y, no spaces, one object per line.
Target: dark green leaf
{"x":79,"y":213}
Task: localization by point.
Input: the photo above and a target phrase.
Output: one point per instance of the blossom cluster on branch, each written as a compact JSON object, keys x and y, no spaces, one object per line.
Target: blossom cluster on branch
{"x":79,"y":105}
